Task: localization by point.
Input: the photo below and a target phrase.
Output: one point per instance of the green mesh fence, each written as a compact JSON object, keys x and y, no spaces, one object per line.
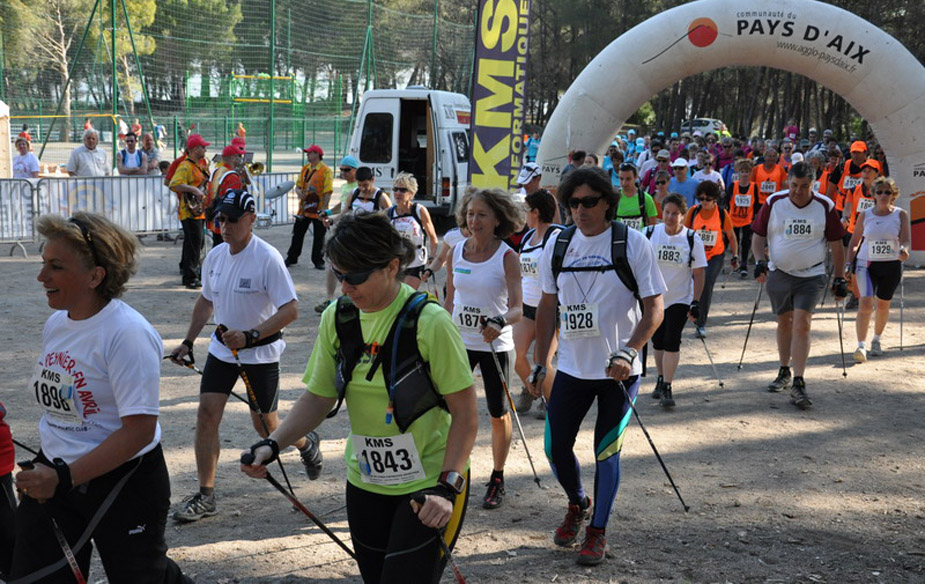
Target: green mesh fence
{"x":207,"y":66}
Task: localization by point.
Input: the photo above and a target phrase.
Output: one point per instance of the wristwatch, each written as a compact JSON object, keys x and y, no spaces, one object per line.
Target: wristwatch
{"x":252,"y":337}
{"x":633,"y":353}
{"x":452,"y":480}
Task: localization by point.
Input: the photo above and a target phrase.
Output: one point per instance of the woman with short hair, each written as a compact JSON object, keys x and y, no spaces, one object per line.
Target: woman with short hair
{"x":484,"y":295}
{"x":414,"y":223}
{"x":411,"y":429}
{"x":100,"y":473}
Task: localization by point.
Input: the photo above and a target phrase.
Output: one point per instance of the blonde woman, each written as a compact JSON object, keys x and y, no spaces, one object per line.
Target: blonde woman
{"x":414,"y":223}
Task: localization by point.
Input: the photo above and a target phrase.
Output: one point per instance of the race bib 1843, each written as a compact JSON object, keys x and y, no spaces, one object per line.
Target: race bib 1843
{"x":580,"y":320}
{"x":391,"y":460}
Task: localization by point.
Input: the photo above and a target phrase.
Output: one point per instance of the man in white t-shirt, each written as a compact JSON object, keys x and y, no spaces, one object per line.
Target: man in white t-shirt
{"x":602,"y":331}
{"x":797,"y":225}
{"x":131,"y":160}
{"x":709,"y":173}
{"x":250,"y":291}
{"x":87,"y":159}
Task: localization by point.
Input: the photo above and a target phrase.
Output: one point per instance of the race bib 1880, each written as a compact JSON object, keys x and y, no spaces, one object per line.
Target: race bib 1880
{"x":391,"y":460}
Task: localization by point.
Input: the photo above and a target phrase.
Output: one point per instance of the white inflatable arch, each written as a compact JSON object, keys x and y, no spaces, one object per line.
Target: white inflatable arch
{"x":873,"y":71}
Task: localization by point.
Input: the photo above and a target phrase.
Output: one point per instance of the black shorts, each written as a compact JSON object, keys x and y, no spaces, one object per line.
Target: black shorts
{"x":220,"y":377}
{"x":880,"y":279}
{"x":529,"y":312}
{"x":416,"y":272}
{"x":668,"y":335}
{"x":494,"y":386}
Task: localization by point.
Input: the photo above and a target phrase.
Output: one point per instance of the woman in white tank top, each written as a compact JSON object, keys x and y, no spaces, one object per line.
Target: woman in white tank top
{"x":483,"y":293}
{"x":414,"y":223}
{"x":879,"y":246}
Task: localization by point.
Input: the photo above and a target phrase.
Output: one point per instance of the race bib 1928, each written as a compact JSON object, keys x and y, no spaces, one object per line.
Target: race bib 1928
{"x":580,"y":320}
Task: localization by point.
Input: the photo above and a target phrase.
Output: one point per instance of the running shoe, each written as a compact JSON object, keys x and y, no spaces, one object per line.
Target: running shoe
{"x":657,"y":392}
{"x":567,"y":533}
{"x":320,"y":307}
{"x":860,"y":355}
{"x":852,"y":303}
{"x":524,"y":401}
{"x":540,"y":411}
{"x":311,"y":456}
{"x":783,"y":381}
{"x":593,"y":548}
{"x":798,"y":395}
{"x":666,"y":401}
{"x":494,"y":496}
{"x":875,"y":349}
{"x":195,"y":507}
{"x":743,"y":274}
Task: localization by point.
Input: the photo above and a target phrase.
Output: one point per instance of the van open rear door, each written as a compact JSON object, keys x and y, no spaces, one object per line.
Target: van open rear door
{"x":379,"y":139}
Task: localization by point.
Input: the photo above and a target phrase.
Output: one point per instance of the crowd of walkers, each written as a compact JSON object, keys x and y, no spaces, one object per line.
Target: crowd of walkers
{"x":566,"y":290}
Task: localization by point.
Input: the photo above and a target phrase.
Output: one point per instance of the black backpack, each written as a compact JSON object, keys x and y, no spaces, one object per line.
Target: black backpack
{"x":407,"y":375}
{"x":529,"y":235}
{"x":641,"y":194}
{"x":619,"y":263}
{"x":376,"y":198}
{"x":690,"y":241}
{"x":722,"y":216}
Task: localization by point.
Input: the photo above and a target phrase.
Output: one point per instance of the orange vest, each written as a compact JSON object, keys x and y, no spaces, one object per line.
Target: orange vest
{"x":709,"y":228}
{"x":861,"y":200}
{"x":742,"y":205}
{"x":846,"y":185}
{"x":769,"y":182}
{"x":821,"y":185}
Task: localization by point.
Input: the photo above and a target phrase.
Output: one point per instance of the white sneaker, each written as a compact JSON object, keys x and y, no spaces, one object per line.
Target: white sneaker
{"x":860,"y":355}
{"x":875,"y":350}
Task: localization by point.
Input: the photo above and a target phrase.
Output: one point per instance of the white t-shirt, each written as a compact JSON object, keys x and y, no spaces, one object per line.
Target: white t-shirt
{"x":24,"y":165}
{"x":453,"y":236}
{"x":797,"y":236}
{"x":607,"y":304}
{"x":411,"y":228}
{"x":246,"y":289}
{"x":84,"y":162}
{"x":673,"y":253}
{"x":480,"y":292}
{"x":109,"y":365}
{"x":712,"y":176}
{"x":530,"y":255}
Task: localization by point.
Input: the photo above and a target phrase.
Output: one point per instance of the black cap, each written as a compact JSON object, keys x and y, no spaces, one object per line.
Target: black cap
{"x":236,"y":202}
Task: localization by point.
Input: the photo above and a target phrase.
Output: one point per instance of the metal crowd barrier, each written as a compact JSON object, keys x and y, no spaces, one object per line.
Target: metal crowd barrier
{"x":140,"y":204}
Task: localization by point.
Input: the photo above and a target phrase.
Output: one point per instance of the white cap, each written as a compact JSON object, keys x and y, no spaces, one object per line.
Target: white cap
{"x":796,"y":157}
{"x":528,"y":172}
{"x":680,"y":162}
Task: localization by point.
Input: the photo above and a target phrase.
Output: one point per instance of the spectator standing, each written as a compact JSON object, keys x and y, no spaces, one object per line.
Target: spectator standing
{"x":87,"y":159}
{"x":131,"y":161}
{"x":25,"y":164}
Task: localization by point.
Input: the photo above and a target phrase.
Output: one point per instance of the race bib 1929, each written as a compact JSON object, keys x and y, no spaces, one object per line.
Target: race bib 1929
{"x":883,"y":249}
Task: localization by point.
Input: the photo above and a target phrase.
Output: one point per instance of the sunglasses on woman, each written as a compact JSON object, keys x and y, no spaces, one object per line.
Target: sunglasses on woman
{"x":661,"y":182}
{"x":400,"y":190}
{"x":883,"y":193}
{"x":225,"y":218}
{"x":354,"y":278}
{"x":586,"y":202}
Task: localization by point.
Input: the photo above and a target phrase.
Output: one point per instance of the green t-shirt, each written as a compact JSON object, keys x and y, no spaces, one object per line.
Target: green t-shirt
{"x":366,"y":401}
{"x":346,"y":190}
{"x":628,"y":210}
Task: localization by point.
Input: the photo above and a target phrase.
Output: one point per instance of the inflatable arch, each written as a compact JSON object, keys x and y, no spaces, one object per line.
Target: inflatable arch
{"x":873,"y":71}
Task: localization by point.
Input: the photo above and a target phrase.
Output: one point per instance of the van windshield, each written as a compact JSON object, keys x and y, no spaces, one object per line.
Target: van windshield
{"x":376,"y":141}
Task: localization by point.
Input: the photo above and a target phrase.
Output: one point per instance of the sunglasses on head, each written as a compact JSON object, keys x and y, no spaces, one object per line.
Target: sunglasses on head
{"x":354,"y":278}
{"x":586,"y":202}
{"x":225,"y":219}
{"x":400,"y":190}
{"x":88,"y":238}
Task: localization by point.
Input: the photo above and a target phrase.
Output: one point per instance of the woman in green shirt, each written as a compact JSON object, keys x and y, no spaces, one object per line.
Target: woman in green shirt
{"x":409,"y":437}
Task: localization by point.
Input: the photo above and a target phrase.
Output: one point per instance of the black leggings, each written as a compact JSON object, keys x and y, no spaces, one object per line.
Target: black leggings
{"x":129,"y":535}
{"x":391,"y":544}
{"x":744,"y":235}
{"x":668,"y":335}
{"x":494,"y":386}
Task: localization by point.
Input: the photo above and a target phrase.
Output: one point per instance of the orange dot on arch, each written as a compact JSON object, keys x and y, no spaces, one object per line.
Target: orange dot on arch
{"x":702,"y":32}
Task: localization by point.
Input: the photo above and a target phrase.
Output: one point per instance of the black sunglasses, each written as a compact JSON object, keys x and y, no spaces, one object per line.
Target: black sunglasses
{"x":661,"y":182}
{"x":224,"y":218}
{"x":883,"y":192}
{"x":345,"y":169}
{"x":355,"y":278}
{"x":400,"y":190}
{"x":85,"y":232}
{"x":586,"y":202}
{"x":705,"y":199}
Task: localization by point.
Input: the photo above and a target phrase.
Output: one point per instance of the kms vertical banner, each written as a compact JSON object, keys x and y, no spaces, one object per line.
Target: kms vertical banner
{"x":498,"y":88}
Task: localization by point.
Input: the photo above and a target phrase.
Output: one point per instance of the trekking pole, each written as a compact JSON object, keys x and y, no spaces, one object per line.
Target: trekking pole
{"x":510,"y":400}
{"x":248,"y":459}
{"x":710,"y":357}
{"x":839,"y":317}
{"x":190,"y":365}
{"x":460,"y":579}
{"x":24,"y":447}
{"x":59,"y":535}
{"x":829,"y":272}
{"x":750,"y":321}
{"x":646,"y":432}
{"x":252,"y":402}
{"x":902,"y":305}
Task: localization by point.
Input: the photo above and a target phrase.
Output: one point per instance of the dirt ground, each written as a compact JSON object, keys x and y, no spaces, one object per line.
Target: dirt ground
{"x":834,"y":494}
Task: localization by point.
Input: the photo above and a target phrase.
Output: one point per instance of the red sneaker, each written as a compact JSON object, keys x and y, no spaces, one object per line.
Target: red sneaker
{"x":593,"y":548}
{"x":567,"y":533}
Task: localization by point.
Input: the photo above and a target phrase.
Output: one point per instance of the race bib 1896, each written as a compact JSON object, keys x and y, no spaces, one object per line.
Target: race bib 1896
{"x":580,"y":320}
{"x":54,"y":391}
{"x":391,"y":460}
{"x":865,"y":204}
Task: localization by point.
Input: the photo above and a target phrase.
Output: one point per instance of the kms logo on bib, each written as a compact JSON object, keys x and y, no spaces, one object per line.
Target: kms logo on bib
{"x":377,"y":442}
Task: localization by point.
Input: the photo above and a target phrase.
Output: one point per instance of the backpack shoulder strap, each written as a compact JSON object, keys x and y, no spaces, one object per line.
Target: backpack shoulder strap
{"x":690,"y":244}
{"x":619,"y":233}
{"x":642,"y":204}
{"x":350,"y":335}
{"x":560,"y":247}
{"x":649,"y":230}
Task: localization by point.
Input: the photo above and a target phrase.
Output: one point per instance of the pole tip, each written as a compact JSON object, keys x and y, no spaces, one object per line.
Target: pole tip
{"x":721,"y":384}
{"x":687,"y":508}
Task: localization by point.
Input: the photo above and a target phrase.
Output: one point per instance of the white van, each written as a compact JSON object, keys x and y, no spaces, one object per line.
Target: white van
{"x":416,"y":130}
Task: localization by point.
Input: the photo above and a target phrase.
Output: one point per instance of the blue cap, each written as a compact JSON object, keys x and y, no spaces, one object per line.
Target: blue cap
{"x":674,"y":134}
{"x":631,"y":131}
{"x":640,"y":141}
{"x":614,"y":143}
{"x":350,"y":161}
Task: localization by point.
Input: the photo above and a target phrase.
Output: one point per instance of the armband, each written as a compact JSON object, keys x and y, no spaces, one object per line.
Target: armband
{"x":188,"y":344}
{"x":65,"y":483}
